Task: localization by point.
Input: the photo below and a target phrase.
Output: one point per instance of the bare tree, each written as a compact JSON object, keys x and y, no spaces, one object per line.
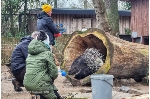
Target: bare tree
{"x":55,"y":3}
{"x":101,"y":15}
{"x":112,"y":15}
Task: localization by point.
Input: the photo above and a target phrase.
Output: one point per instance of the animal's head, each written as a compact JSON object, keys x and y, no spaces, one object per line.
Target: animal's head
{"x":84,"y":72}
{"x":77,"y":64}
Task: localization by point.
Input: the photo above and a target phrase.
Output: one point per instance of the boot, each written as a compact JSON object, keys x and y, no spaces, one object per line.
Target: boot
{"x":16,"y":85}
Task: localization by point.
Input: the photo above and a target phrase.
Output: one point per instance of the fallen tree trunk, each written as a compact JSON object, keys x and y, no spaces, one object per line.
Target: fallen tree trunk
{"x":123,"y":59}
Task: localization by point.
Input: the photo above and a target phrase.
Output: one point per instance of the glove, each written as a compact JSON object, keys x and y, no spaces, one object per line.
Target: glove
{"x":57,"y":35}
{"x":62,"y":72}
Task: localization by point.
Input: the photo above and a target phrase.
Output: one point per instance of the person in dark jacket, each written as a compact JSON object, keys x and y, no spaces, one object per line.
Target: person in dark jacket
{"x":46,"y":24}
{"x":18,"y":61}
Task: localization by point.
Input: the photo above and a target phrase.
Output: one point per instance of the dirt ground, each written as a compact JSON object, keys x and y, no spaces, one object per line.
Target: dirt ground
{"x":121,"y":89}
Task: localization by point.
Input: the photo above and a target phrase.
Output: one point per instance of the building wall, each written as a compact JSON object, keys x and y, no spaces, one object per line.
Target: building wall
{"x":139,"y":17}
{"x":77,"y":22}
{"x":124,"y":22}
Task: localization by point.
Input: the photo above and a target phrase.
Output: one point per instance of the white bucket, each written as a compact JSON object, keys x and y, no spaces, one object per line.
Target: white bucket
{"x":102,"y":86}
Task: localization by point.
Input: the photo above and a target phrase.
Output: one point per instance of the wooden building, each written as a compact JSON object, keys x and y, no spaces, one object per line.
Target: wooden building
{"x":77,"y":19}
{"x":140,"y":20}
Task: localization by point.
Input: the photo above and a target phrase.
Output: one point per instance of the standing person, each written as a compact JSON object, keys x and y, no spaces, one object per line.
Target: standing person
{"x":18,"y":61}
{"x":41,"y":70}
{"x":46,"y":24}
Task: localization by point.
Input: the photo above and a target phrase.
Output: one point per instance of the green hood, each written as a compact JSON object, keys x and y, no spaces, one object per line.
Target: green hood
{"x":35,"y":47}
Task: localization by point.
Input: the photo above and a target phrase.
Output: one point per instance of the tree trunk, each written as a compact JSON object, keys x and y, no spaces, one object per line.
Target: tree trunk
{"x":101,"y":15}
{"x":85,"y":4}
{"x":23,"y":26}
{"x":112,"y":15}
{"x":55,"y":3}
{"x":11,"y":20}
{"x":123,"y":59}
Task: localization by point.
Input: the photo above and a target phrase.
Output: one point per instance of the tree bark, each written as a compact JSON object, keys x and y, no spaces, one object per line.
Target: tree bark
{"x":23,"y":26}
{"x":112,"y":15}
{"x":11,"y":19}
{"x":85,"y":4}
{"x":55,"y":3}
{"x":101,"y":15}
{"x":123,"y":59}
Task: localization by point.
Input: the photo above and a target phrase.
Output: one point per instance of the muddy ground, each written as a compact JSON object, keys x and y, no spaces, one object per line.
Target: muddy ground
{"x":121,"y":88}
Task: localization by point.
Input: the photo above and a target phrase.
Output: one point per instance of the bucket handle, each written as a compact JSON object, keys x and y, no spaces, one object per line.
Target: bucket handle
{"x":108,"y":83}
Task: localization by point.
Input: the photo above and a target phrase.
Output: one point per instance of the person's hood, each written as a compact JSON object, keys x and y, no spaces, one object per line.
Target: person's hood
{"x":29,"y":38}
{"x":35,"y":47}
{"x":42,"y":14}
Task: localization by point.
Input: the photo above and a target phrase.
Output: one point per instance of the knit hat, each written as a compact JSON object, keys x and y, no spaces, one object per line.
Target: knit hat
{"x":46,"y":8}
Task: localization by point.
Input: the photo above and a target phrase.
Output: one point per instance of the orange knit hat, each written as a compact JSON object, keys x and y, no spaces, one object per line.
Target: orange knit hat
{"x":46,"y":8}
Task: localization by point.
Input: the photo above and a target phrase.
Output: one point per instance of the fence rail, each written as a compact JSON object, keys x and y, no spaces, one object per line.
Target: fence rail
{"x":7,"y":46}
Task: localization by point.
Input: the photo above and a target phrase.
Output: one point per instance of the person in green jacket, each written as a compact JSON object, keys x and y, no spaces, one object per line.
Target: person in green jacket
{"x":41,"y":70}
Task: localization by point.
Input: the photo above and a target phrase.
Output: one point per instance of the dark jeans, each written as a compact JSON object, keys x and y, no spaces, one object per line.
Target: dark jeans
{"x":20,"y":77}
{"x":56,"y":93}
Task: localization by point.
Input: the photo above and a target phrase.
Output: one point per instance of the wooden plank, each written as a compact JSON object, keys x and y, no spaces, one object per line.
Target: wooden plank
{"x":54,"y":18}
{"x":93,"y":21}
{"x":126,"y":22}
{"x":65,"y":22}
{"x":68,"y":23}
{"x":120,"y":25}
{"x":139,"y":18}
{"x":58,"y":18}
{"x":146,"y":17}
{"x":86,"y":23}
{"x":79,"y":26}
{"x":123,"y":23}
{"x":74,"y":25}
{"x":61,"y":18}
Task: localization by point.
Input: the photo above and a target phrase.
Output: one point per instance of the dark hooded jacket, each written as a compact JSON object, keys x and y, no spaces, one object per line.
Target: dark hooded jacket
{"x":46,"y":24}
{"x":19,"y":55}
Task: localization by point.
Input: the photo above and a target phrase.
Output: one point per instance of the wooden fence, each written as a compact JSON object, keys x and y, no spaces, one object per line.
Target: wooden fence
{"x":77,"y":22}
{"x":8,"y":44}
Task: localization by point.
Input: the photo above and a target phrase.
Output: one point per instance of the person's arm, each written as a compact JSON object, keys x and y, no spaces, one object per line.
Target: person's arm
{"x":24,"y":49}
{"x":53,"y":70}
{"x":51,"y":26}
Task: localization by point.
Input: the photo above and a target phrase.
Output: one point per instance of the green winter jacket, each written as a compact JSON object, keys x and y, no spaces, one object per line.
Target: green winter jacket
{"x":41,"y":70}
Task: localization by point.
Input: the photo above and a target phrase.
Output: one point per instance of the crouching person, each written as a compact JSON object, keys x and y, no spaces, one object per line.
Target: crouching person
{"x":41,"y":70}
{"x":18,"y":61}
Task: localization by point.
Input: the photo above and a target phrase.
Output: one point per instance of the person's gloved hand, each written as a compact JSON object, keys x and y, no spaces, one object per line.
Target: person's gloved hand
{"x":62,"y":72}
{"x":57,"y":35}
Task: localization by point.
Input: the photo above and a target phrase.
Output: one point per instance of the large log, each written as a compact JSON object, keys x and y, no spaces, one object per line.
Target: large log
{"x":123,"y":59}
